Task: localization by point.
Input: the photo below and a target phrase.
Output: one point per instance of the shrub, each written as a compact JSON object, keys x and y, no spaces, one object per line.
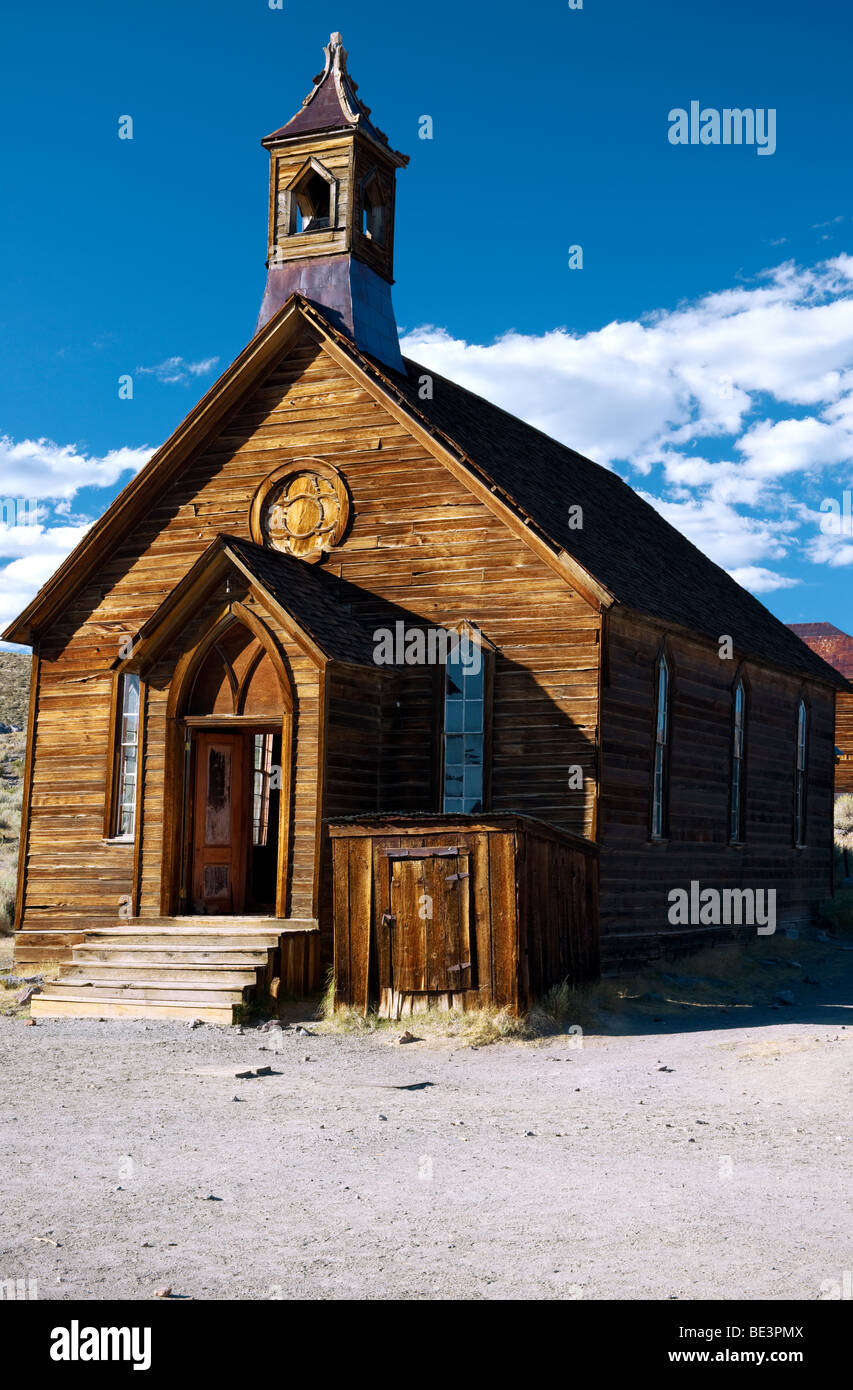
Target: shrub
{"x":844,"y":821}
{"x":8,"y":886}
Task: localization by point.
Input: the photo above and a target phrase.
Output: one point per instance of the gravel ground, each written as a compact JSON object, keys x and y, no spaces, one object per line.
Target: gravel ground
{"x":668,"y":1159}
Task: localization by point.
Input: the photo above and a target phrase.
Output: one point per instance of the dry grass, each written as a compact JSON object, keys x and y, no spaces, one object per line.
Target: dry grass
{"x":844,"y":821}
{"x":728,"y":977}
{"x":561,"y":1011}
{"x":9,"y":1007}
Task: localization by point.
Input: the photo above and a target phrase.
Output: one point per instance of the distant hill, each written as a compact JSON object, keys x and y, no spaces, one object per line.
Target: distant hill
{"x":14,"y":688}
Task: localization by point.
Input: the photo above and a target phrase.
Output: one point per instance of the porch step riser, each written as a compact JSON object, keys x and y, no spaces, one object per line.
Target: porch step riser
{"x":221,"y":998}
{"x":213,"y":941}
{"x":206,"y":976}
{"x":140,"y":955}
{"x":110,"y":1008}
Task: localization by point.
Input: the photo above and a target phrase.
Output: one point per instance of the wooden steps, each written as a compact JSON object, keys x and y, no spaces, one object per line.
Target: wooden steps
{"x":186,"y":968}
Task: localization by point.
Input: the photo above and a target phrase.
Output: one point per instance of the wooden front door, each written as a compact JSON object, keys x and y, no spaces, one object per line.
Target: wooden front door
{"x":429,"y":923}
{"x":220,"y":824}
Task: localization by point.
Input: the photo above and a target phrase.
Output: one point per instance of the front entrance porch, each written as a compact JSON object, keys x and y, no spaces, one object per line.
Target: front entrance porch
{"x":183,"y":968}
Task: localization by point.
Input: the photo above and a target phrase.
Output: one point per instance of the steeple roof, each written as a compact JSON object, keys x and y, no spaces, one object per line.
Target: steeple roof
{"x":332,"y":104}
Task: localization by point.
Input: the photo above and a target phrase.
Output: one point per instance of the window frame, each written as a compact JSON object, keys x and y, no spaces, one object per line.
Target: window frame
{"x":487,"y":652}
{"x":117,"y":760}
{"x":288,"y":197}
{"x":737,"y":833}
{"x":659,"y":827}
{"x":373,"y":209}
{"x":801,"y":774}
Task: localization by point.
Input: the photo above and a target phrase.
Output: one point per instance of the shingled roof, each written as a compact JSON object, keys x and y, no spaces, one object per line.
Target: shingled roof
{"x":829,"y":642}
{"x":625,"y":544}
{"x":316,"y":599}
{"x":332,"y":104}
{"x":642,"y":560}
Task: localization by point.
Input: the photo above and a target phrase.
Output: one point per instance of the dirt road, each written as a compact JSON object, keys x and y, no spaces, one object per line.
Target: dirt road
{"x":668,"y":1160}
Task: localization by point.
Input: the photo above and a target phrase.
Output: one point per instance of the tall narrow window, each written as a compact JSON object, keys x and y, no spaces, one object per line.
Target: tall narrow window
{"x":800,"y":774}
{"x":736,"y":809}
{"x":127,"y":757}
{"x":465,"y":729}
{"x":659,"y":788}
{"x":262,"y":786}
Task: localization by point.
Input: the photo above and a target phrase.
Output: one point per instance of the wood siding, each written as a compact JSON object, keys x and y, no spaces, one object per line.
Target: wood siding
{"x":636,"y":873}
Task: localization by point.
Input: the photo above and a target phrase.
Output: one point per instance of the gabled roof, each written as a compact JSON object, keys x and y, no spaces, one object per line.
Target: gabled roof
{"x":640,"y":558}
{"x":625,"y":552}
{"x":308,"y":599}
{"x":625,"y":545}
{"x":829,"y":642}
{"x":332,"y":105}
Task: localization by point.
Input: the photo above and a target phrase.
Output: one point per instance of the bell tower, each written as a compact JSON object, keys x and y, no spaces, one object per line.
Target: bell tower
{"x":331,"y":217}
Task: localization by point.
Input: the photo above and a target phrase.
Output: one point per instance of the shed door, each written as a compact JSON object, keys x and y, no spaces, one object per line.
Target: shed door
{"x":430,"y":932}
{"x":219,"y":851}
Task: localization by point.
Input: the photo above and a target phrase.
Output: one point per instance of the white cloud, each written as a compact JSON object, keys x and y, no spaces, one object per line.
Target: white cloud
{"x":178,"y":370}
{"x":21,"y":579}
{"x":38,"y":482}
{"x":40,"y":469}
{"x":762,"y":581}
{"x":656,"y":397}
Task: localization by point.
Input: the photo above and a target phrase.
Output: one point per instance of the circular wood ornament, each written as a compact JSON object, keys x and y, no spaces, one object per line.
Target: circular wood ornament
{"x":301,"y":509}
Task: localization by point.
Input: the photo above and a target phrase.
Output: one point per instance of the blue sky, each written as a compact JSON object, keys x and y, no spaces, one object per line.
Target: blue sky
{"x":705,"y":349}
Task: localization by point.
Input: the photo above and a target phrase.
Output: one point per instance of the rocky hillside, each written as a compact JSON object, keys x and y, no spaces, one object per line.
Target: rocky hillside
{"x":14,"y":696}
{"x":14,"y":690}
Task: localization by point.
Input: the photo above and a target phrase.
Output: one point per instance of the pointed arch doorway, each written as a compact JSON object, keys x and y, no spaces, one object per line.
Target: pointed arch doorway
{"x":232,"y":707}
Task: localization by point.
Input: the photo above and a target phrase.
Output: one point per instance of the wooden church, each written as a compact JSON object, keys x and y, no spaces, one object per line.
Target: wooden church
{"x":339,"y":680}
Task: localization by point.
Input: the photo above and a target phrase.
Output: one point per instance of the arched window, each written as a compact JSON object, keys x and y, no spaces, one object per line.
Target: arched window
{"x":660,"y":787}
{"x":736,"y":805}
{"x":237,"y":677}
{"x":800,"y":774}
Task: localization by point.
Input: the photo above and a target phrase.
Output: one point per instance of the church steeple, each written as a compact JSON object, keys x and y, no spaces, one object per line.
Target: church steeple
{"x":331,"y":220}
